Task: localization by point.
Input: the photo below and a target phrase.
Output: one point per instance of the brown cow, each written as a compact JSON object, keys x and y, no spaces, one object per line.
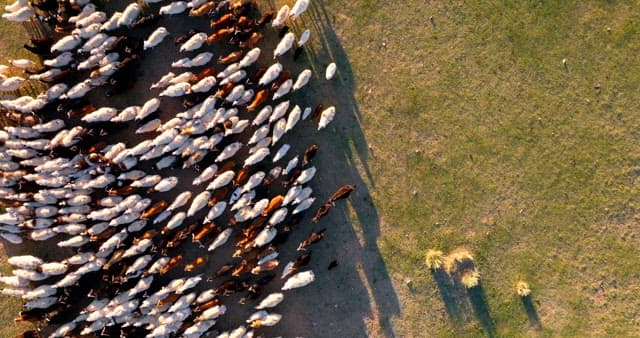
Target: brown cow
{"x":312,"y":239}
{"x":220,"y":35}
{"x":205,"y":230}
{"x":309,"y":154}
{"x":201,"y":75}
{"x":261,"y":97}
{"x":342,"y":193}
{"x":230,"y":58}
{"x":224,"y":21}
{"x":155,"y":209}
{"x":322,"y":211}
{"x":207,"y":305}
{"x":274,"y":204}
{"x":203,"y":10}
{"x":252,"y":40}
{"x":199,"y":261}
{"x":172,"y":263}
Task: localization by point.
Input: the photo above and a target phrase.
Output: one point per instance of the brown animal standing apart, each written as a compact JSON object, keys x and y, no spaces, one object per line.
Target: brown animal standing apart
{"x":199,"y":261}
{"x":155,"y":209}
{"x":342,"y":193}
{"x":315,"y":237}
{"x":261,"y":97}
{"x":32,"y":315}
{"x":322,"y":211}
{"x":309,"y":154}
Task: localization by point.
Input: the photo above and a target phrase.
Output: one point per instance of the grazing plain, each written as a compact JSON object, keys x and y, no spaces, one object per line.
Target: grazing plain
{"x":471,"y":133}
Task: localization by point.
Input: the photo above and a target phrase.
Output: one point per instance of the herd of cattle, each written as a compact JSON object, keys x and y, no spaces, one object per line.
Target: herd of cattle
{"x":133,"y":233}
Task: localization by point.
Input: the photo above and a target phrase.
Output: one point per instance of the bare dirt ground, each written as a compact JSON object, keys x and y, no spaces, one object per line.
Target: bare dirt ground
{"x":356,"y":299}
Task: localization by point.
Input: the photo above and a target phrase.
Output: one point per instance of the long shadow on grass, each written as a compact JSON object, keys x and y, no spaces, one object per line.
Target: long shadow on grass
{"x":531,"y":311}
{"x":481,"y":309}
{"x":345,"y":300}
{"x":453,"y":297}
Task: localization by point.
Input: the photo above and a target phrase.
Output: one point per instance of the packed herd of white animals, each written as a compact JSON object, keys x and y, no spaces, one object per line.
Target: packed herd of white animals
{"x":132,"y":234}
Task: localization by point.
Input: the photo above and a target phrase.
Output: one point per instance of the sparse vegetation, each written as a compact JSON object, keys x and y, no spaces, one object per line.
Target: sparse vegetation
{"x":523,"y":289}
{"x":458,"y":261}
{"x":470,"y":279}
{"x":433,"y":259}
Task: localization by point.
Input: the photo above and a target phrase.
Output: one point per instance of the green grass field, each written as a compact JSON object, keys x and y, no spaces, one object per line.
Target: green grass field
{"x":480,"y":138}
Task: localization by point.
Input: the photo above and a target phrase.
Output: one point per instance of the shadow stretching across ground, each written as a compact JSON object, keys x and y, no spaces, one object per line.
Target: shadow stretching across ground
{"x":358,"y":295}
{"x":531,"y":311}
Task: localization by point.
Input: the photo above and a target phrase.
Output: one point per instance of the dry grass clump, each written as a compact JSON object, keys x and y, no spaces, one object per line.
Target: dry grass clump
{"x":523,"y":289}
{"x":433,"y":259}
{"x":458,"y":261}
{"x":470,"y":279}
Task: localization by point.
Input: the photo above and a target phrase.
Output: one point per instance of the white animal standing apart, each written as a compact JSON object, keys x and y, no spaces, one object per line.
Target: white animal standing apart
{"x":326,"y":117}
{"x":331,"y":71}
{"x":281,"y":17}
{"x":270,"y":301}
{"x":22,"y":63}
{"x":299,"y":280}
{"x":298,"y":8}
{"x":304,"y":37}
